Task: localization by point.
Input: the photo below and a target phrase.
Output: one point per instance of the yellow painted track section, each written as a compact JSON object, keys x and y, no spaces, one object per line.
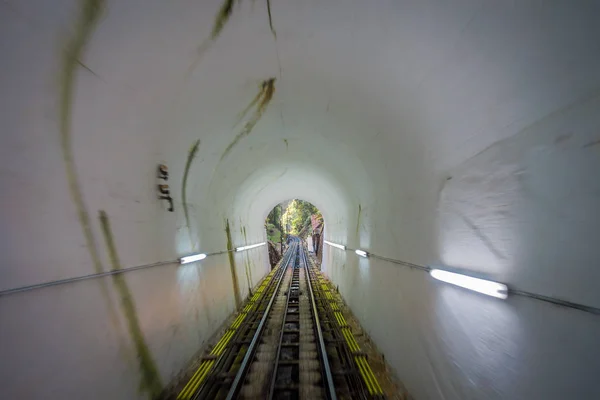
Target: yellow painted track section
{"x":360,"y":360}
{"x":206,"y":365}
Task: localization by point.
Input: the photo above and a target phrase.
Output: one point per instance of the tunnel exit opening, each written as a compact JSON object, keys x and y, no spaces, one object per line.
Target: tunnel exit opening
{"x":293,"y":217}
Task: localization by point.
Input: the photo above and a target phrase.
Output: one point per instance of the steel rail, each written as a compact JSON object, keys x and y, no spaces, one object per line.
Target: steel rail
{"x":278,"y":354}
{"x":200,"y":392}
{"x":330,"y":387}
{"x":243,"y":370}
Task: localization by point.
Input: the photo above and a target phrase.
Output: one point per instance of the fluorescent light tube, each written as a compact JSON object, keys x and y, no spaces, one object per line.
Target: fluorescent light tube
{"x":339,"y":246}
{"x":489,"y":288}
{"x":192,"y":258}
{"x":361,"y":253}
{"x":250,"y":246}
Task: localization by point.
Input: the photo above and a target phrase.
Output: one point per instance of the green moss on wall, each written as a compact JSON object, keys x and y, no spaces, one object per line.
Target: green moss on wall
{"x":222,"y":17}
{"x":231,"y":253}
{"x":89,"y":15}
{"x":150,"y":378}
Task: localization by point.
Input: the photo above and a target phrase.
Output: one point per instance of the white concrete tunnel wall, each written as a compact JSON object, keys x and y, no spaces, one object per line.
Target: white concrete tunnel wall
{"x":460,"y":134}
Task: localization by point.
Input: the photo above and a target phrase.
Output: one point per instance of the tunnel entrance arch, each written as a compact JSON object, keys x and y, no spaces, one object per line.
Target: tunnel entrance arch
{"x":294,"y":217}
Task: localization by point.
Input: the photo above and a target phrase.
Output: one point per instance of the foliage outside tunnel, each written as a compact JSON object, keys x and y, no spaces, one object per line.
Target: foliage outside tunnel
{"x":292,"y":217}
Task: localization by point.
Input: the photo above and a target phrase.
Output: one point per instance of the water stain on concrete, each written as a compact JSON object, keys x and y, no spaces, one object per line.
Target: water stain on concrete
{"x":90,"y":13}
{"x":82,"y":65}
{"x":248,"y":279}
{"x":484,"y":239}
{"x":358,"y":218}
{"x":562,"y":138}
{"x":255,"y":100}
{"x":261,"y":101}
{"x":590,"y":144}
{"x":222,"y":17}
{"x":221,"y":20}
{"x":150,"y":378}
{"x":247,"y":262}
{"x":271,"y":19}
{"x":231,"y":254}
{"x":191,"y":155}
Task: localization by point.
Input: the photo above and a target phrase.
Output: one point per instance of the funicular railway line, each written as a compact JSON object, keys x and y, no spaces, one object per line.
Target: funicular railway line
{"x":290,"y":341}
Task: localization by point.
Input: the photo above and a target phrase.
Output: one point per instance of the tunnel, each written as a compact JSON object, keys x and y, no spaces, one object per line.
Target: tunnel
{"x":455,"y":135}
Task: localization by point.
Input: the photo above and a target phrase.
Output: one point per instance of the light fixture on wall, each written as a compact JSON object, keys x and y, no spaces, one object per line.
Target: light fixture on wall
{"x":339,"y":246}
{"x":250,"y":246}
{"x":192,"y":258}
{"x":489,"y":288}
{"x":361,"y":253}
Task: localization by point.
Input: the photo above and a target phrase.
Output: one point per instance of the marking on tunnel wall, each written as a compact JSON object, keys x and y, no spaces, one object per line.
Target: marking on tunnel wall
{"x":231,"y":254}
{"x":163,"y":172}
{"x":163,"y":189}
{"x":191,"y":155}
{"x":150,"y":378}
{"x":261,"y":101}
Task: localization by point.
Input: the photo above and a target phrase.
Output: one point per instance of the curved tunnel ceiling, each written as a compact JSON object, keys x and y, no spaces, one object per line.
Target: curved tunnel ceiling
{"x":374,"y":105}
{"x":456,"y":133}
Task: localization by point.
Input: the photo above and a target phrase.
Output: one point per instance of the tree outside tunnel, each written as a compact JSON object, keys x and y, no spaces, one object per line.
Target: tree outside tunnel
{"x":293,"y":217}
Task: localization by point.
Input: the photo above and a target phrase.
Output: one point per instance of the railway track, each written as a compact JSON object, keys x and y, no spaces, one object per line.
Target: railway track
{"x":291,"y":362}
{"x":284,"y":344}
